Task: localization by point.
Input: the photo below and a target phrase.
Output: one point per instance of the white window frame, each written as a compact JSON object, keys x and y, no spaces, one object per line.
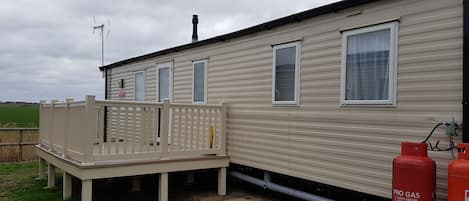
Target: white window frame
{"x":393,"y":47}
{"x":205,"y":61}
{"x":158,"y":67}
{"x":296,"y":100}
{"x":135,"y":85}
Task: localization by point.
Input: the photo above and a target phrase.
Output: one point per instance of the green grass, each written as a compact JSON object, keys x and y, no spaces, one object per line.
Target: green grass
{"x":19,"y":115}
{"x":18,"y":183}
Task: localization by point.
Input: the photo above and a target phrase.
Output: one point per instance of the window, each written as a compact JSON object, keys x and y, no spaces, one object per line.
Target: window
{"x":285,"y":74}
{"x":199,"y":81}
{"x":164,"y":81}
{"x":139,"y":86}
{"x":369,"y":65}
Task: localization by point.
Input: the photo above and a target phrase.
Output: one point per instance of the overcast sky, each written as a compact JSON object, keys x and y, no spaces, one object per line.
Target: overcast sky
{"x":48,"y":50}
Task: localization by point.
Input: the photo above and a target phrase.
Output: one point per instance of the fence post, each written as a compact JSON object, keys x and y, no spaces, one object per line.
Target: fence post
{"x":165,"y":129}
{"x":68,"y":101}
{"x":224,"y":115}
{"x":90,"y":128}
{"x":21,"y":144}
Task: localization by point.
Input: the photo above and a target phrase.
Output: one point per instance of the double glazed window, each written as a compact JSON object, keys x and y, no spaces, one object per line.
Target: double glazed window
{"x":164,"y":81}
{"x":199,"y":81}
{"x":369,"y":65}
{"x":139,"y":79}
{"x":285,"y":73}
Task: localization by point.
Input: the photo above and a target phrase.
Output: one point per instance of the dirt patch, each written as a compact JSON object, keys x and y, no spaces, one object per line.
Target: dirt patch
{"x":234,"y":194}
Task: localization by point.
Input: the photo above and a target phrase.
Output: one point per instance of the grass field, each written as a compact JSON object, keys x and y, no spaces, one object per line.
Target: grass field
{"x":18,"y":183}
{"x":25,"y":116}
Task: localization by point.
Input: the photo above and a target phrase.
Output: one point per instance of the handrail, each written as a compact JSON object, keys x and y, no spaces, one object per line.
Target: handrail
{"x":64,"y":104}
{"x":196,"y":105}
{"x":128,"y":102}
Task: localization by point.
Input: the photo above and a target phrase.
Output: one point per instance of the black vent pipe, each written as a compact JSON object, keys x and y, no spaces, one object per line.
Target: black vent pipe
{"x":465,"y":72}
{"x":195,"y":21}
{"x":106,"y":97}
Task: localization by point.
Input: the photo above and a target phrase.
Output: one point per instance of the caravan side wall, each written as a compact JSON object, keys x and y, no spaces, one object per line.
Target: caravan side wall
{"x":320,"y":140}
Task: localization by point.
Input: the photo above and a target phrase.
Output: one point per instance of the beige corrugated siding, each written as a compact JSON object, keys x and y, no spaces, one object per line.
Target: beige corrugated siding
{"x":349,"y":147}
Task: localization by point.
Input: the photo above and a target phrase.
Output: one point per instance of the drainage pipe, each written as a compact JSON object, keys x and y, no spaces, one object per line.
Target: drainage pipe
{"x":267,"y":184}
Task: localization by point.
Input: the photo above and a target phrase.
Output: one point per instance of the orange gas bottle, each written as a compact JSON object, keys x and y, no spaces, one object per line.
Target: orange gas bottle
{"x":458,"y":175}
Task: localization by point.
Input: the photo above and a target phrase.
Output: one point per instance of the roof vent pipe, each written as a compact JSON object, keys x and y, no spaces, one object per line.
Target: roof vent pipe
{"x":195,"y":21}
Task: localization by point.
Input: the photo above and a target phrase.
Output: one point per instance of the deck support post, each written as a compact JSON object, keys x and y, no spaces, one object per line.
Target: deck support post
{"x":222,"y":181}
{"x":86,"y":190}
{"x":42,"y":168}
{"x":136,"y":183}
{"x":163,"y":187}
{"x":51,"y":176}
{"x":67,"y":186}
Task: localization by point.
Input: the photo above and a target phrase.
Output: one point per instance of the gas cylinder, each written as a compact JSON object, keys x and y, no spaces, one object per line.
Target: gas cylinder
{"x":458,"y":175}
{"x":413,"y":174}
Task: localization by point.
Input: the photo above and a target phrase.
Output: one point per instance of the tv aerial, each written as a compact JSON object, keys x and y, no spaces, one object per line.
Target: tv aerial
{"x":103,"y":29}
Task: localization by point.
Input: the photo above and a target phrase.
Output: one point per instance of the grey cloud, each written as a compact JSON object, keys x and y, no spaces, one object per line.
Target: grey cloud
{"x":47,"y":49}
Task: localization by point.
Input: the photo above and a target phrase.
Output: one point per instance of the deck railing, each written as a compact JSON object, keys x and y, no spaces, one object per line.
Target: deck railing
{"x":91,"y":131}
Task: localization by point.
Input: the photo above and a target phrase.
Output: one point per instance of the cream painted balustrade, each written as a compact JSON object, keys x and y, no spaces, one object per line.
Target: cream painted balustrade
{"x":93,"y":131}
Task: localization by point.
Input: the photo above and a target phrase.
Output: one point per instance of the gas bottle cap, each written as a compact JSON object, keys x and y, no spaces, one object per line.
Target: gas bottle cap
{"x":414,"y":149}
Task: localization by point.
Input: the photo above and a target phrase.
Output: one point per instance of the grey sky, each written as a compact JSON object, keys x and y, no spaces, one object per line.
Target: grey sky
{"x":48,"y":50}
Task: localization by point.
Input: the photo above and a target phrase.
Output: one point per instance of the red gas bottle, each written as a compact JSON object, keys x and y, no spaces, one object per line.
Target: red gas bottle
{"x":413,"y":174}
{"x":458,"y":175}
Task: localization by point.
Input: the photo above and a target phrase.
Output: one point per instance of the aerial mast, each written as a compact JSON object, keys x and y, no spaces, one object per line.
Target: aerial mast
{"x":102,"y":28}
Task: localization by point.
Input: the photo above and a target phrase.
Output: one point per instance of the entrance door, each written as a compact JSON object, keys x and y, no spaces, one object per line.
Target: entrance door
{"x":164,"y":90}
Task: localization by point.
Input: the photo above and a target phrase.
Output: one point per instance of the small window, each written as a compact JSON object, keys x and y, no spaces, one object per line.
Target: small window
{"x":139,"y":86}
{"x":285,"y":74}
{"x":164,"y":81}
{"x":199,"y":81}
{"x":369,"y":65}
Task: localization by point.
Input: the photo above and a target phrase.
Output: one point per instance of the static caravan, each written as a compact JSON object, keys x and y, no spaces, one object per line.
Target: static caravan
{"x":326,"y":95}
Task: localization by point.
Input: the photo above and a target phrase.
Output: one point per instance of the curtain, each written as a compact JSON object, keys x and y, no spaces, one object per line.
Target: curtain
{"x":367,"y":66}
{"x":139,"y":86}
{"x":285,"y":59}
{"x":199,"y":82}
{"x":163,"y":84}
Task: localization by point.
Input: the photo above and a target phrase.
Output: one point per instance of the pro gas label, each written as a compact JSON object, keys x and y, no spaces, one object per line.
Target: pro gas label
{"x":400,"y":195}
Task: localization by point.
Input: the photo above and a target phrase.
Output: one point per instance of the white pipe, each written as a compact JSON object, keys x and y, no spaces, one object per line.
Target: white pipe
{"x":267,"y":184}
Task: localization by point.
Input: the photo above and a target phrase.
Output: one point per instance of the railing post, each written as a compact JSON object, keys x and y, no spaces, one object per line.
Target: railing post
{"x":90,"y":127}
{"x":165,"y":129}
{"x":41,"y":122}
{"x":51,"y":133}
{"x":68,"y":101}
{"x":224,"y":114}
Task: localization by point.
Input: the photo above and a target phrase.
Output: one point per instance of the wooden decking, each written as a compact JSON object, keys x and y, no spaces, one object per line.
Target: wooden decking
{"x":104,"y":139}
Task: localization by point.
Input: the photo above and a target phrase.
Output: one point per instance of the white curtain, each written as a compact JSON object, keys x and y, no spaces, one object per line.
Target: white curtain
{"x":139,"y":86}
{"x":367,"y":70}
{"x":163,"y":84}
{"x":285,"y":59}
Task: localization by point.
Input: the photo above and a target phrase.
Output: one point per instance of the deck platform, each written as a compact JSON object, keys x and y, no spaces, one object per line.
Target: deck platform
{"x":105,"y":139}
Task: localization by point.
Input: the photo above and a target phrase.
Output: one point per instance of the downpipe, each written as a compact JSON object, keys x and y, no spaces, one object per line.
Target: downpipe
{"x":267,"y":184}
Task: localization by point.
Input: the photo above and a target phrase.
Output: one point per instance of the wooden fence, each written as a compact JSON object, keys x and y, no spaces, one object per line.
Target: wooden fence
{"x":17,"y":144}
